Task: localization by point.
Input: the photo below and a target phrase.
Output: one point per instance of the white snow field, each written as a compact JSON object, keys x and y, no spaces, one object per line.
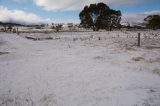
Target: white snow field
{"x":80,"y":69}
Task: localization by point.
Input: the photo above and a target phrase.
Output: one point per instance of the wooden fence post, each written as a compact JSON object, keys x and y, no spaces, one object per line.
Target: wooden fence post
{"x":139,"y":39}
{"x":17,"y":31}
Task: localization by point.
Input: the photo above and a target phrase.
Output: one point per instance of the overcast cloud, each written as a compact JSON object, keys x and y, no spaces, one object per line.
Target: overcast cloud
{"x":20,"y":16}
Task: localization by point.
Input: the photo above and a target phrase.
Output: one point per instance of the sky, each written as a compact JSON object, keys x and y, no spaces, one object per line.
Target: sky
{"x":67,"y":11}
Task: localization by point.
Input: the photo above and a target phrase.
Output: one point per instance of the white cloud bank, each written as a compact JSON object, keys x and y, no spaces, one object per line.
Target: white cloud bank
{"x":137,"y":17}
{"x":20,"y":16}
{"x":65,"y":5}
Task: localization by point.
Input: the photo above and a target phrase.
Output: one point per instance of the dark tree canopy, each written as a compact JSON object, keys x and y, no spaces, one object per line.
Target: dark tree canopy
{"x":153,"y":21}
{"x":99,"y":16}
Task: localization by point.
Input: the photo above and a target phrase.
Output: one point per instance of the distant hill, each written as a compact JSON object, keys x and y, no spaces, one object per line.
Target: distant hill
{"x":16,"y":24}
{"x":9,"y":23}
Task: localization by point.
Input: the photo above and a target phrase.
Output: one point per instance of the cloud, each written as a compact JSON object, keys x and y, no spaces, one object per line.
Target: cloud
{"x":20,"y":16}
{"x":65,"y":21}
{"x":138,"y":17}
{"x":72,"y":5}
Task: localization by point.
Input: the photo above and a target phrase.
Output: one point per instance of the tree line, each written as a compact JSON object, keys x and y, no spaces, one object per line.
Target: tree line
{"x":97,"y":16}
{"x":100,"y":16}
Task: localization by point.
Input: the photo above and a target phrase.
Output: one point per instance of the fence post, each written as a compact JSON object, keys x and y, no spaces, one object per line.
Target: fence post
{"x":139,"y":39}
{"x":17,"y":31}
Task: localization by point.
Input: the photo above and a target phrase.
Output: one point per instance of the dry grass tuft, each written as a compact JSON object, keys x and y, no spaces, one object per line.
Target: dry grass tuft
{"x":130,"y":49}
{"x":138,"y":58}
{"x":156,"y":71}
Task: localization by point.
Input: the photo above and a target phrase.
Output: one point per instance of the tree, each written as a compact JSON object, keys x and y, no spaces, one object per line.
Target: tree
{"x":153,"y":21}
{"x":10,"y":27}
{"x":58,"y":27}
{"x":99,"y":16}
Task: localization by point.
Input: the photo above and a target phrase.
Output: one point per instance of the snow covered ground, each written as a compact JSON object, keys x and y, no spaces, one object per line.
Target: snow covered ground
{"x":80,"y":69}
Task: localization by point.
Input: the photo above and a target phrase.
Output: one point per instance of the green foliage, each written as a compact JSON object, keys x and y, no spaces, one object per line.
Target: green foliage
{"x":153,"y":21}
{"x":100,"y":16}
